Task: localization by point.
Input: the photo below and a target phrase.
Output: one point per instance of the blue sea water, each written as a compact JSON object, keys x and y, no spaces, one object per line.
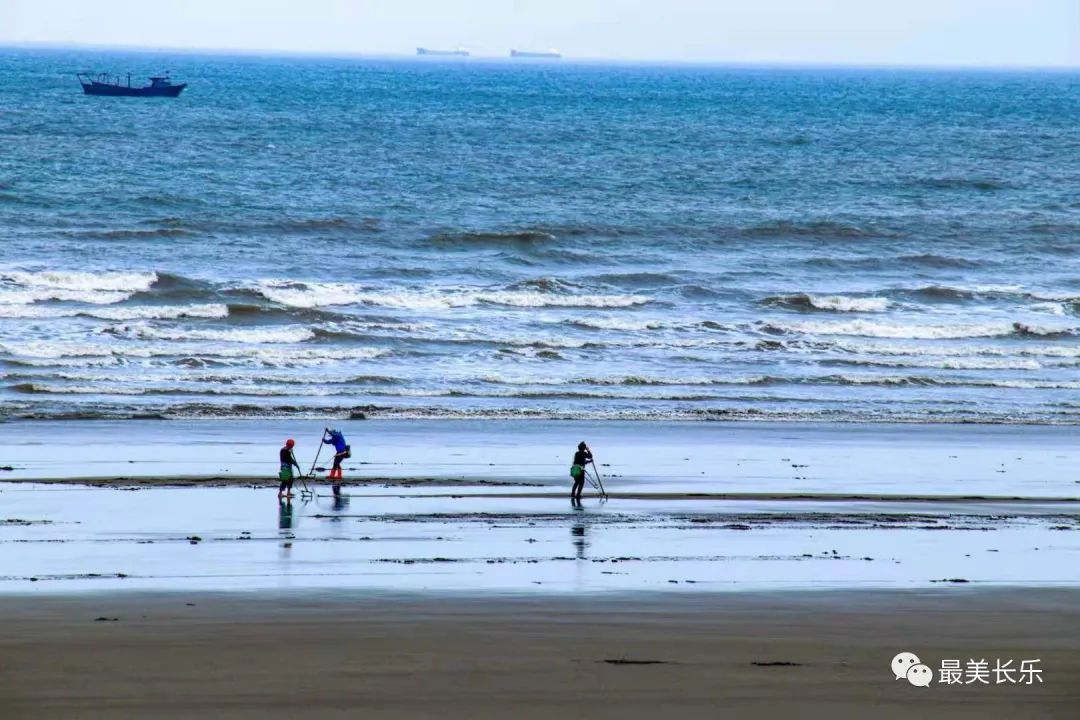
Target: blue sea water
{"x":298,"y":236}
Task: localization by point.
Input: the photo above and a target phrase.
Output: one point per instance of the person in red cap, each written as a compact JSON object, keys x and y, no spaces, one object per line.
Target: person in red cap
{"x":288,"y":462}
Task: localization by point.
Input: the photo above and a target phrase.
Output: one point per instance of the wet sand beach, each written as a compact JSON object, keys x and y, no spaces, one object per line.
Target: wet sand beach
{"x":666,"y":457}
{"x":287,"y":655}
{"x":767,"y":571}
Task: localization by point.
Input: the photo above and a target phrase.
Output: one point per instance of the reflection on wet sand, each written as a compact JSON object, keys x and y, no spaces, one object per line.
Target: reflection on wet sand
{"x":402,"y":538}
{"x":580,"y":543}
{"x":285,"y":515}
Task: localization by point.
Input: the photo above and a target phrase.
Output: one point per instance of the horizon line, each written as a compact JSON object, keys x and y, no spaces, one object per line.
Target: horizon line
{"x":356,"y":54}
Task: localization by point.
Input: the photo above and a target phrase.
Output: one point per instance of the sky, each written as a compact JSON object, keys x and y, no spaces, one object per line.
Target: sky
{"x":855,"y":32}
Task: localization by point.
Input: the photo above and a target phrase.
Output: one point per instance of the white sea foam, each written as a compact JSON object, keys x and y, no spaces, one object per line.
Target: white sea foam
{"x":114,"y":389}
{"x":1049,"y":308}
{"x":142,"y":312}
{"x":25,"y":288}
{"x":232,"y":335}
{"x":288,"y":356}
{"x":97,"y":389}
{"x":93,"y":281}
{"x":1015,"y":384}
{"x":259,"y":354}
{"x":629,"y":380}
{"x":867,"y":328}
{"x":831,"y":303}
{"x":1012,"y":383}
{"x":108,"y":361}
{"x":998,"y":288}
{"x":230,"y":377}
{"x":670,"y":380}
{"x":1056,"y":297}
{"x":22,"y":296}
{"x":534,"y":299}
{"x":954,"y":363}
{"x":32,"y":311}
{"x":308,"y":295}
{"x":1027,"y":350}
{"x":312,"y":295}
{"x":841,"y":303}
{"x":64,"y":349}
{"x":160,"y":312}
{"x":627,"y":325}
{"x":394,"y":326}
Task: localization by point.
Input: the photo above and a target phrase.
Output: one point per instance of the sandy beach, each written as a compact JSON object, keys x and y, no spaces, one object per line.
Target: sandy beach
{"x":770,"y":571}
{"x":272,"y":655}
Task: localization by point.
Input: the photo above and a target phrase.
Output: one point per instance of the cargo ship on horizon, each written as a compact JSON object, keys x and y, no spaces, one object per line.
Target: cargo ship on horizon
{"x":459,"y":52}
{"x":549,"y":54}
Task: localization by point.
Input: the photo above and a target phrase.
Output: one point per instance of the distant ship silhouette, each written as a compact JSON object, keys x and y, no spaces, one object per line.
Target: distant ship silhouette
{"x":104,"y":84}
{"x":462,"y":52}
{"x":551,"y":54}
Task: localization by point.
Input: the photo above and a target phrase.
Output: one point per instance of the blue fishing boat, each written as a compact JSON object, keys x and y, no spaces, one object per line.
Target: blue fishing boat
{"x":104,"y":84}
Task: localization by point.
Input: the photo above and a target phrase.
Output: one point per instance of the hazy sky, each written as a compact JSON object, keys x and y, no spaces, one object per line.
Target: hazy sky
{"x":919,"y":32}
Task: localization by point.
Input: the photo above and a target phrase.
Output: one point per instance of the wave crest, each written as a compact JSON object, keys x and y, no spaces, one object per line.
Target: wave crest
{"x":312,"y":295}
{"x":271,"y":335}
{"x":867,"y":328}
{"x":829,"y":303}
{"x":19,"y":287}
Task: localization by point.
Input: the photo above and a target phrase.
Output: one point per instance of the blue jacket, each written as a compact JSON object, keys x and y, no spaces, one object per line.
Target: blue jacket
{"x":337,"y":440}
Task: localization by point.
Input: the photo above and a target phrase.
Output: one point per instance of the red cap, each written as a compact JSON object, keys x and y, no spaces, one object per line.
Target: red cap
{"x":290,"y":442}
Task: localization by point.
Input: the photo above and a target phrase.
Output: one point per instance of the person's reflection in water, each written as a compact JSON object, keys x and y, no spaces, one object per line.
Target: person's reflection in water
{"x":341,"y":502}
{"x":285,"y":515}
{"x":577,"y":532}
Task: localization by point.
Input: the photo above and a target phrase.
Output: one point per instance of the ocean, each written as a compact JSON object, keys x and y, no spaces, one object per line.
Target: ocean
{"x":308,"y":237}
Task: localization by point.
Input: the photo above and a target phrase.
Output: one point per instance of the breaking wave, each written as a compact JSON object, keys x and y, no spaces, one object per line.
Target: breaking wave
{"x":231,"y":335}
{"x":867,"y":328}
{"x":148,"y":312}
{"x":619,"y":324}
{"x":828,"y":303}
{"x":313,"y":295}
{"x":25,"y":288}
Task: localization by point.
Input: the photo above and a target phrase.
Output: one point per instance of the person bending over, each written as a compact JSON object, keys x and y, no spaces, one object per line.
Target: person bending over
{"x":342,"y":451}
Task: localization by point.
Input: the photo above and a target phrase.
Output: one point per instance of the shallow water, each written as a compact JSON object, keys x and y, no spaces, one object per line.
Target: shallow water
{"x":481,"y":505}
{"x":635,"y":457}
{"x":314,"y":236}
{"x":79,"y":539}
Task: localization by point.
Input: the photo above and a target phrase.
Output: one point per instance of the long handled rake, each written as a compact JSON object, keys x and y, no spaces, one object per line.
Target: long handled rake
{"x":595,"y":480}
{"x":307,"y":492}
{"x":311,"y":472}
